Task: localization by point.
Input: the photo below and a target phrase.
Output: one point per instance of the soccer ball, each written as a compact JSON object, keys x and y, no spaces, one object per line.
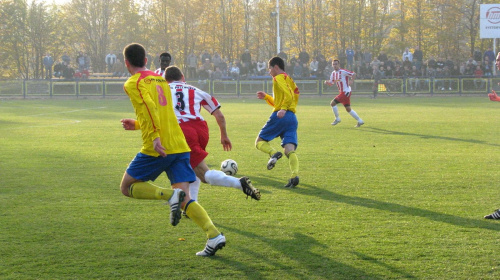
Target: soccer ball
{"x":229,"y":166}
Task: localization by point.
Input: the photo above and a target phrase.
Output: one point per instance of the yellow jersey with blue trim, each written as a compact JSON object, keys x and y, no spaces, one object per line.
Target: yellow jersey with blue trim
{"x":285,"y":94}
{"x":151,"y":98}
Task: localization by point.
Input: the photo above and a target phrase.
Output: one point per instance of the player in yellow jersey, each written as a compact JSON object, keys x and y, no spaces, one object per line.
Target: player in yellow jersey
{"x":282,"y":122}
{"x":164,"y":148}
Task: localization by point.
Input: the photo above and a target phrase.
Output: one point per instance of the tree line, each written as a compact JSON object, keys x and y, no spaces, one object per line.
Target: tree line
{"x":30,"y":29}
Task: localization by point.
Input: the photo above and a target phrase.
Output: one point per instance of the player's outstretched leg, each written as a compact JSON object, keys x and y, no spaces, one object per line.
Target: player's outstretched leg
{"x":494,"y":216}
{"x":272,"y":161}
{"x":219,"y":178}
{"x":248,"y":189}
{"x":175,"y":206}
{"x":213,"y":244}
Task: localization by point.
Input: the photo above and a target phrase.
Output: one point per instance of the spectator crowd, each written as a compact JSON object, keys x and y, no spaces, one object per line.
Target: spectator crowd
{"x":411,"y":64}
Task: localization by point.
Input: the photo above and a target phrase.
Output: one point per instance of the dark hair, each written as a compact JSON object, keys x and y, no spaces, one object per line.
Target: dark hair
{"x":336,"y":60}
{"x":277,"y":61}
{"x":135,"y":54}
{"x":173,"y":73}
{"x":166,"y":55}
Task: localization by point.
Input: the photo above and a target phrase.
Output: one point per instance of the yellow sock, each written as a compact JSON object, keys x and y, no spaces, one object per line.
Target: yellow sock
{"x":146,"y":190}
{"x":198,"y":214}
{"x":293,"y":161}
{"x":265,"y":147}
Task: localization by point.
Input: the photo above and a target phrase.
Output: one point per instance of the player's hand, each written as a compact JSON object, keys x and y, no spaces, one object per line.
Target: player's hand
{"x":158,"y":147}
{"x":261,"y":94}
{"x":226,"y":143}
{"x":128,"y":124}
{"x":281,"y":114}
{"x":328,"y":83}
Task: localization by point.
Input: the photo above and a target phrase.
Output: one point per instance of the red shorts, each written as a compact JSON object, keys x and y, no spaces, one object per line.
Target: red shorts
{"x":344,"y":98}
{"x":196,"y":133}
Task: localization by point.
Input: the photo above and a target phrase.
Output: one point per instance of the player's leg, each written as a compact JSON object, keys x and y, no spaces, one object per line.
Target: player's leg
{"x":134,"y":188}
{"x":219,"y":178}
{"x":194,"y":189}
{"x":144,"y":168}
{"x":180,"y":174}
{"x":335,"y":110}
{"x":289,"y":143}
{"x":271,"y":130}
{"x":293,"y":161}
{"x":354,"y":115}
{"x":136,"y":184}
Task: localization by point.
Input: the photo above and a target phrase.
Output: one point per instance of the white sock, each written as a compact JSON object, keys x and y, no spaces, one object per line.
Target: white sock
{"x":194,"y":188}
{"x":219,"y":178}
{"x":354,"y":115}
{"x":336,"y":112}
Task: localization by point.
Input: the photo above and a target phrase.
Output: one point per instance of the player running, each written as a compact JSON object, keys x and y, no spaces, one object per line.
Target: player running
{"x":344,"y":79}
{"x":188,"y":101}
{"x":164,"y":149}
{"x":282,"y":122}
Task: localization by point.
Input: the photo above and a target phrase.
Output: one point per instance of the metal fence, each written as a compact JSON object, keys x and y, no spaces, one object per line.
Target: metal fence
{"x":391,"y":87}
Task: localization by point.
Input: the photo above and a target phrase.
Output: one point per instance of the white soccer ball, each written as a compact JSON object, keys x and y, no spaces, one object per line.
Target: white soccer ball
{"x":229,"y":166}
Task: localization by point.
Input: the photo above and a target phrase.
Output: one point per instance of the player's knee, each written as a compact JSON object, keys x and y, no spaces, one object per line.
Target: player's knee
{"x":125,"y":189}
{"x":333,"y":103}
{"x":257,"y":141}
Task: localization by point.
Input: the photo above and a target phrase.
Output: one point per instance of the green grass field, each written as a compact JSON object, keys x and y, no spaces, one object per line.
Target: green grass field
{"x":402,"y":197}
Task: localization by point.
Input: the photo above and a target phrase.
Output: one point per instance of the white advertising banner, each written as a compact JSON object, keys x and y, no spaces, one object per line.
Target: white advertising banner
{"x":489,"y":21}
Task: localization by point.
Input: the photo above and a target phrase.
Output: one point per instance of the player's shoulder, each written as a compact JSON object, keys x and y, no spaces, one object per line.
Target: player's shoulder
{"x":346,"y":71}
{"x":179,"y":84}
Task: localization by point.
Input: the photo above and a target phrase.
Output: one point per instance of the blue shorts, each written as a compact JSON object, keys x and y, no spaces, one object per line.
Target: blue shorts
{"x":148,"y":168}
{"x":285,"y":128}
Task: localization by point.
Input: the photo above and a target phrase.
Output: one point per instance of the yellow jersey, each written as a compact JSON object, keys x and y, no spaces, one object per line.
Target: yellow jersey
{"x":285,"y":94}
{"x":151,"y":97}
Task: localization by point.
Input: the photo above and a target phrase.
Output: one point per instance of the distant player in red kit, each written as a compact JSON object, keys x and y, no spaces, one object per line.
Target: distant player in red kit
{"x":344,"y":79}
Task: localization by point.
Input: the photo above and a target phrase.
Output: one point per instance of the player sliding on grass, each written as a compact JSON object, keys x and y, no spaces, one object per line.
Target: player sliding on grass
{"x":282,"y":122}
{"x":164,"y":148}
{"x":188,"y":101}
{"x":344,"y":79}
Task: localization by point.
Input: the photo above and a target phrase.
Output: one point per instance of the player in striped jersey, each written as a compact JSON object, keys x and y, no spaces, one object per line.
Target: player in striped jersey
{"x":164,"y":149}
{"x":344,"y":79}
{"x":165,"y":59}
{"x":188,"y":101}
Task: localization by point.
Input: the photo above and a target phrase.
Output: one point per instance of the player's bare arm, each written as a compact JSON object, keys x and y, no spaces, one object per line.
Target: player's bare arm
{"x":221,"y":121}
{"x":351,"y":80}
{"x":129,"y":124}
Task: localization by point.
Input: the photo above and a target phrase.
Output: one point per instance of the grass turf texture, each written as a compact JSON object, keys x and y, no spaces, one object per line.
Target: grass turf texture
{"x":402,"y":197}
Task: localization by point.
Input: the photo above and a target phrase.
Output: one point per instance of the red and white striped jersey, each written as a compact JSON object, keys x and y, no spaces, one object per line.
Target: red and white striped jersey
{"x":341,"y":78}
{"x":188,"y":100}
{"x":160,"y":72}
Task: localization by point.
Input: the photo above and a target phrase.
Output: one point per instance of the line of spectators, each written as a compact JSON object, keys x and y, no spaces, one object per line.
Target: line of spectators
{"x":411,"y":63}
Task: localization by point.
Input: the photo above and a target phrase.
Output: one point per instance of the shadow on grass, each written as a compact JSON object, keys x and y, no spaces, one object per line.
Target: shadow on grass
{"x":299,"y":250}
{"x":424,"y":136}
{"x":323,"y":194}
